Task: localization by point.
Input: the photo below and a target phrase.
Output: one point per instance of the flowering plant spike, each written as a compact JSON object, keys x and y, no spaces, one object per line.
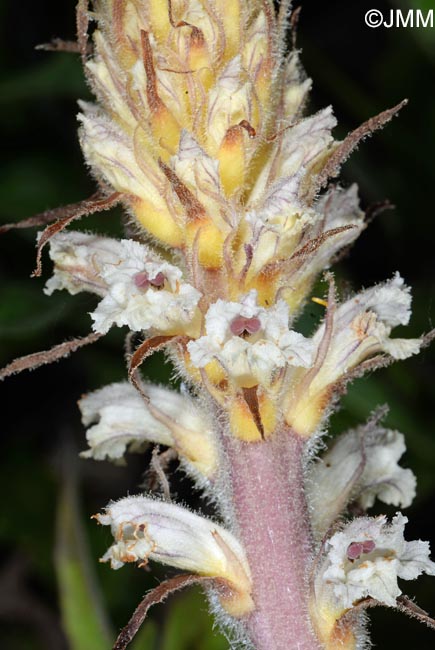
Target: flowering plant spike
{"x":198,"y":129}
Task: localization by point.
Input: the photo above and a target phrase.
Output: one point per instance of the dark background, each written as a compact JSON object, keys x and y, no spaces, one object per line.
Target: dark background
{"x":48,"y":495}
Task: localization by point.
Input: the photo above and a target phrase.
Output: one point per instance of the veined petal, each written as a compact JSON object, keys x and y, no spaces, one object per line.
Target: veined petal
{"x":145,"y":529}
{"x":298,"y":149}
{"x":121,"y":419}
{"x":296,"y":86}
{"x":107,"y":80}
{"x":361,"y":465}
{"x":229,"y":102}
{"x":304,"y":142}
{"x":360,"y":328}
{"x":109,"y":149}
{"x":336,"y":222}
{"x":277,"y":235}
{"x":78,"y":260}
{"x":200,"y":173}
{"x":337,"y":209}
{"x":194,"y":14}
{"x":340,"y":207}
{"x":282,"y":197}
{"x":255,"y":50}
{"x":390,"y":301}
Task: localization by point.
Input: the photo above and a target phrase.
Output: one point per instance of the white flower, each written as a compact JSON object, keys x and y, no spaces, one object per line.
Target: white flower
{"x":391,"y":301}
{"x":368,"y":557}
{"x":249,"y":341}
{"x":362,"y":465}
{"x":283,"y":227}
{"x":200,"y":173}
{"x":144,"y":294}
{"x":229,"y":102}
{"x":277,"y":227}
{"x":139,"y":290}
{"x":340,"y":207}
{"x":362,"y":327}
{"x":109,"y":148}
{"x":145,"y":529}
{"x":337,"y":209}
{"x":296,"y":87}
{"x":359,"y":329}
{"x":124,"y":420}
{"x":383,"y":478}
{"x":78,"y":259}
{"x":276,"y":212}
{"x":302,"y":144}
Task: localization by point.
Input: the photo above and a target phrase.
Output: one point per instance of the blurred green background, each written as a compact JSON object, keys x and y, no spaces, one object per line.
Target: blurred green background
{"x":64,"y":599}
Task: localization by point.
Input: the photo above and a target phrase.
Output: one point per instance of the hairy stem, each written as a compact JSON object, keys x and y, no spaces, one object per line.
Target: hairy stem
{"x":272,"y":521}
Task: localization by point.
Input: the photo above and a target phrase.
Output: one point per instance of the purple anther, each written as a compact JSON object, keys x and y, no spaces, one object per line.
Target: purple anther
{"x":158,"y":281}
{"x":368,"y":546}
{"x":141,"y":280}
{"x":241,"y":326}
{"x":356,"y":549}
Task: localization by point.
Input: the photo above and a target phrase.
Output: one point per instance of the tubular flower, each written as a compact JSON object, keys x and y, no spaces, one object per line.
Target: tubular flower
{"x":359,"y":329}
{"x":362,"y":564}
{"x":198,"y":130}
{"x":146,"y":529}
{"x":361,"y":465}
{"x":120,"y":418}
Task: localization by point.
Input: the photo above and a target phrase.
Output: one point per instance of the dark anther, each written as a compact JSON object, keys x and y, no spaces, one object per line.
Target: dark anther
{"x":356,"y":549}
{"x":158,"y":281}
{"x":241,"y":326}
{"x":143,"y":281}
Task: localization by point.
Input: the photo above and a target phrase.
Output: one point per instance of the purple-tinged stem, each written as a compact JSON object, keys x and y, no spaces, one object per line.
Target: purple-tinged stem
{"x":271,"y":520}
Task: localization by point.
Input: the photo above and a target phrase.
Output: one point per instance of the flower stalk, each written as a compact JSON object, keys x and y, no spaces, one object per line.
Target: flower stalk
{"x":198,"y":129}
{"x":271,"y":516}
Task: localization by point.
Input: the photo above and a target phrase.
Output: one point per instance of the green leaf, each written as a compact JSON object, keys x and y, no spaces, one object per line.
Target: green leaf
{"x":58,"y":75}
{"x":189,"y":626}
{"x":83,"y":617}
{"x":25,"y":311}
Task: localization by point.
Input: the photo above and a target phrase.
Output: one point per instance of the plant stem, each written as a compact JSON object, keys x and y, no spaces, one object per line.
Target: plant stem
{"x":271,"y":520}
